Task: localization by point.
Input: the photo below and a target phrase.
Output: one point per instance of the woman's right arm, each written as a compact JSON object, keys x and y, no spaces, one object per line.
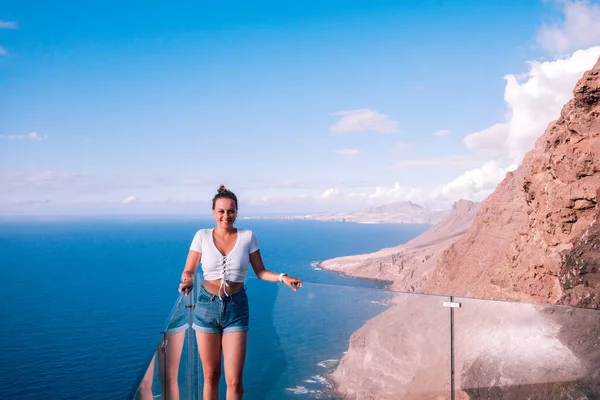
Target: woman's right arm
{"x":187,"y":277}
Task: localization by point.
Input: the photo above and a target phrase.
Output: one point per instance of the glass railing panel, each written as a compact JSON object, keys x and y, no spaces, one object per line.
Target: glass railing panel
{"x":328,"y":341}
{"x":507,"y":350}
{"x":169,"y":374}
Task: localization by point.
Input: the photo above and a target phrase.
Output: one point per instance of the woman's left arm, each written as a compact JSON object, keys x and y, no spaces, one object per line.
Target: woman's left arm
{"x":264,"y":274}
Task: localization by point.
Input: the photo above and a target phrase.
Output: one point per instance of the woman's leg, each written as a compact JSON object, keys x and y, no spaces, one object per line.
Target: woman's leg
{"x":234,"y":354}
{"x":145,"y":390}
{"x":173,"y":359}
{"x":209,"y":347}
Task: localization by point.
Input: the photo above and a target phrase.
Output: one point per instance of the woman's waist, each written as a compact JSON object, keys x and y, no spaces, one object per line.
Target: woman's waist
{"x":216,"y":287}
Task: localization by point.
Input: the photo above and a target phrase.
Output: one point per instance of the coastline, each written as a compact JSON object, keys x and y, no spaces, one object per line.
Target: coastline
{"x":394,"y":213}
{"x":356,"y":299}
{"x":338,"y":220}
{"x":368,"y":368}
{"x":379,"y":284}
{"x":408,"y":266}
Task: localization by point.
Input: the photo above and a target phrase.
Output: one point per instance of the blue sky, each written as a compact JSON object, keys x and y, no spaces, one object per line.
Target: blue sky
{"x":297,"y":106}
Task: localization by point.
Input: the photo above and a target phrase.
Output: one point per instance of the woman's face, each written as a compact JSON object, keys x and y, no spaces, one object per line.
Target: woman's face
{"x":225,"y":213}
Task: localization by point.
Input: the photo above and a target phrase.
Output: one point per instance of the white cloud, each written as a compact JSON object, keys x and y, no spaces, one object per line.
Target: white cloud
{"x":533,"y":102}
{"x":492,"y":139}
{"x":28,"y":136}
{"x":579,"y":29}
{"x":129,"y":200}
{"x":403,"y":146}
{"x":442,"y":132}
{"x":348,"y":152}
{"x":8,"y":25}
{"x":115,"y":187}
{"x":475,"y":184}
{"x":396,"y":192}
{"x":363,"y":120}
{"x":433,"y":162}
{"x":36,"y":184}
{"x":330,"y":193}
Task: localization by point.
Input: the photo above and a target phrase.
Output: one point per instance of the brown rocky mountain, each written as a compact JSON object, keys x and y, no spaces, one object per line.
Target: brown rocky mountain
{"x":536,"y":239}
{"x":529,"y":235}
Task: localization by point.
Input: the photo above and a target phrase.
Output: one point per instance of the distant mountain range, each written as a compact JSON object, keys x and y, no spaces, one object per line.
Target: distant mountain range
{"x":398,"y":212}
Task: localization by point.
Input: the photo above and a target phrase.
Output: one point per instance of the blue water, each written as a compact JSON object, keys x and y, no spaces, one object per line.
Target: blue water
{"x":82,"y":301}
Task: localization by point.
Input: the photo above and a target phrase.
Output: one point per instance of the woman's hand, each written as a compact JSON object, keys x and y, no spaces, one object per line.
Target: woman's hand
{"x":293,"y":283}
{"x":186,"y":286}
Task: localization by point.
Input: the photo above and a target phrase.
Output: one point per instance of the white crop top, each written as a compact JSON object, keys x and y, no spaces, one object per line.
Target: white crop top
{"x":232,"y":267}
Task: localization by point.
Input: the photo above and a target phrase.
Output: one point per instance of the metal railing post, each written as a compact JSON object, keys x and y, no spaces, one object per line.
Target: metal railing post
{"x":452,"y":305}
{"x":162,"y":359}
{"x":196,"y":370}
{"x":190,"y":344}
{"x":452,"y":349}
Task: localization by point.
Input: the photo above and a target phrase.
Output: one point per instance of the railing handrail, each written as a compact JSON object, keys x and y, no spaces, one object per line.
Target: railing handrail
{"x":333,"y":285}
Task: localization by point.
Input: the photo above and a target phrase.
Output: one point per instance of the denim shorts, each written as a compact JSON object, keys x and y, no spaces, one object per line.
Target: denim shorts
{"x":221,"y":315}
{"x":179,"y":320}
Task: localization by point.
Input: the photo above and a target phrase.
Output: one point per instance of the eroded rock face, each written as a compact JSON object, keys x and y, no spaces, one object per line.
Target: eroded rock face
{"x":520,"y":246}
{"x":579,"y":274}
{"x":409,"y":265}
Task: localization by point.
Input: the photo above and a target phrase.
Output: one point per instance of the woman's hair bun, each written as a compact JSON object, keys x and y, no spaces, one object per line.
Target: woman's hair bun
{"x":224,"y":193}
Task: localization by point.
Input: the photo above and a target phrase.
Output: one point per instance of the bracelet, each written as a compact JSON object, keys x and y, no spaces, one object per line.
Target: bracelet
{"x":187,"y":279}
{"x":281,"y":275}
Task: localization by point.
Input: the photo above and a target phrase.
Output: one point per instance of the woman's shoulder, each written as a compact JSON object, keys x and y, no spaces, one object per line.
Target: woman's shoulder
{"x":248,"y":239}
{"x":245,"y":233}
{"x":204,"y":232}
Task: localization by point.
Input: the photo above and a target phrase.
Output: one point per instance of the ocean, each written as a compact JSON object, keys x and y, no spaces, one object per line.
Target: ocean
{"x":83,"y":300}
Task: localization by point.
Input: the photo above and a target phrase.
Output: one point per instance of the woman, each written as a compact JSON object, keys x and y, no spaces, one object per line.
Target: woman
{"x":221,"y":313}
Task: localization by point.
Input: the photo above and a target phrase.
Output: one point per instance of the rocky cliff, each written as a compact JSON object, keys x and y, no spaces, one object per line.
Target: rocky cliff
{"x":579,"y":273}
{"x":529,"y":234}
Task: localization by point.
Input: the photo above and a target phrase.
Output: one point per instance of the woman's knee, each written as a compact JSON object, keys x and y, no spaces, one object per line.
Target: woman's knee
{"x":145,"y":386}
{"x":235,"y":385}
{"x":172,"y":378}
{"x":212,"y":375}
